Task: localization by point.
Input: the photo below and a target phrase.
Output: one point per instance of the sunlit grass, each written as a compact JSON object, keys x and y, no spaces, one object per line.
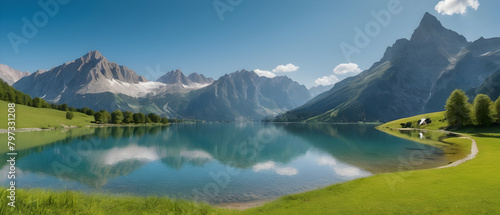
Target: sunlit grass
{"x":30,"y":117}
{"x":438,"y":122}
{"x":38,"y":201}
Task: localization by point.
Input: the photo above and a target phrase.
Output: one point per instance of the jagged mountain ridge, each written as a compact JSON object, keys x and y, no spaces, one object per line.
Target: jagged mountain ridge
{"x":402,"y":83}
{"x":474,"y":66}
{"x":92,"y":81}
{"x":89,"y":74}
{"x":194,"y":80}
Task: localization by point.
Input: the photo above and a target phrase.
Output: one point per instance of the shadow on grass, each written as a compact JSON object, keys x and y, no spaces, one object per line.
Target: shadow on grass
{"x":492,"y":131}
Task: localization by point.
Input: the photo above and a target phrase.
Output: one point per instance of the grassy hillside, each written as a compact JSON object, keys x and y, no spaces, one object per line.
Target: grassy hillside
{"x":30,"y":117}
{"x":438,"y":122}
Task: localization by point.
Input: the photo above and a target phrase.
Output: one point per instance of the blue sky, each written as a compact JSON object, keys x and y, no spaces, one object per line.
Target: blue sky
{"x":254,"y":34}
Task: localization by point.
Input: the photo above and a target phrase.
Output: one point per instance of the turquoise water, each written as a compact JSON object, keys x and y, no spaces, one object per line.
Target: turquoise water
{"x":217,"y":163}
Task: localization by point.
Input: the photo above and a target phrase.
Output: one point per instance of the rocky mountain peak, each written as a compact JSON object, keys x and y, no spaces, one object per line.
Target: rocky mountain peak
{"x":194,"y":80}
{"x":430,"y":34}
{"x":93,"y":55}
{"x":174,"y":77}
{"x":430,"y":22}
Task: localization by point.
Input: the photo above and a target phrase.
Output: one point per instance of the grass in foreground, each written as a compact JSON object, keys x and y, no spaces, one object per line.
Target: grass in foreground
{"x":30,"y":117}
{"x":38,"y":201}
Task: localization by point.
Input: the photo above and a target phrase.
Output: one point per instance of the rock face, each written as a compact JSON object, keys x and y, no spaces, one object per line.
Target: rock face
{"x":194,"y":80}
{"x":490,"y":87}
{"x":92,"y":81}
{"x":90,"y":74}
{"x":10,"y":75}
{"x":413,"y":76}
{"x":476,"y":66}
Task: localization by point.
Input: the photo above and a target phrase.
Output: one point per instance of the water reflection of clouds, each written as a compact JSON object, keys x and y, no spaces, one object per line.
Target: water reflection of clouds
{"x":131,"y":152}
{"x":196,"y":155}
{"x":340,"y":168}
{"x":147,"y":154}
{"x":271,"y":165}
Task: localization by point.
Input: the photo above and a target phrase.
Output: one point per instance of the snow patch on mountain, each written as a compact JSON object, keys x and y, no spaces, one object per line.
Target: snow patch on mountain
{"x":119,"y":87}
{"x":195,"y":86}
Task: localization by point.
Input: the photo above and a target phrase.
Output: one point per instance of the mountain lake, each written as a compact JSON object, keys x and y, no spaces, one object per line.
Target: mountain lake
{"x":219,"y":163}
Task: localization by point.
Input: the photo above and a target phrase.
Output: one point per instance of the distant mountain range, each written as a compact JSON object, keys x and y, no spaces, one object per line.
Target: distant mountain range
{"x":92,"y":81}
{"x":194,"y":80}
{"x":316,"y":90}
{"x":10,"y":75}
{"x":413,"y":76}
{"x":244,"y":95}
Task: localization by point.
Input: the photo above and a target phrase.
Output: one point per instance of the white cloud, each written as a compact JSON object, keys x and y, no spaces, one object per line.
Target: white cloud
{"x":450,"y":7}
{"x":327,"y":80}
{"x":280,"y":68}
{"x":341,"y":69}
{"x":286,"y":68}
{"x":345,"y":68}
{"x":264,"y":73}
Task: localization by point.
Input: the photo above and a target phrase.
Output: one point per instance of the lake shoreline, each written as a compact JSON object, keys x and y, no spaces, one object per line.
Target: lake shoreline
{"x":471,"y":155}
{"x":234,"y":205}
{"x":67,"y":128}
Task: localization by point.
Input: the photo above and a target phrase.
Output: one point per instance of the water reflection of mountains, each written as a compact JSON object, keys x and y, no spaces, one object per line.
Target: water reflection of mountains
{"x":364,"y":146}
{"x":118,"y":151}
{"x":111,"y":152}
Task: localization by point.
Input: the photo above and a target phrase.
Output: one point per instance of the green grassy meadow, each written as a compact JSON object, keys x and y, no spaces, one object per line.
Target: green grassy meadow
{"x":438,"y":122}
{"x":30,"y":117}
